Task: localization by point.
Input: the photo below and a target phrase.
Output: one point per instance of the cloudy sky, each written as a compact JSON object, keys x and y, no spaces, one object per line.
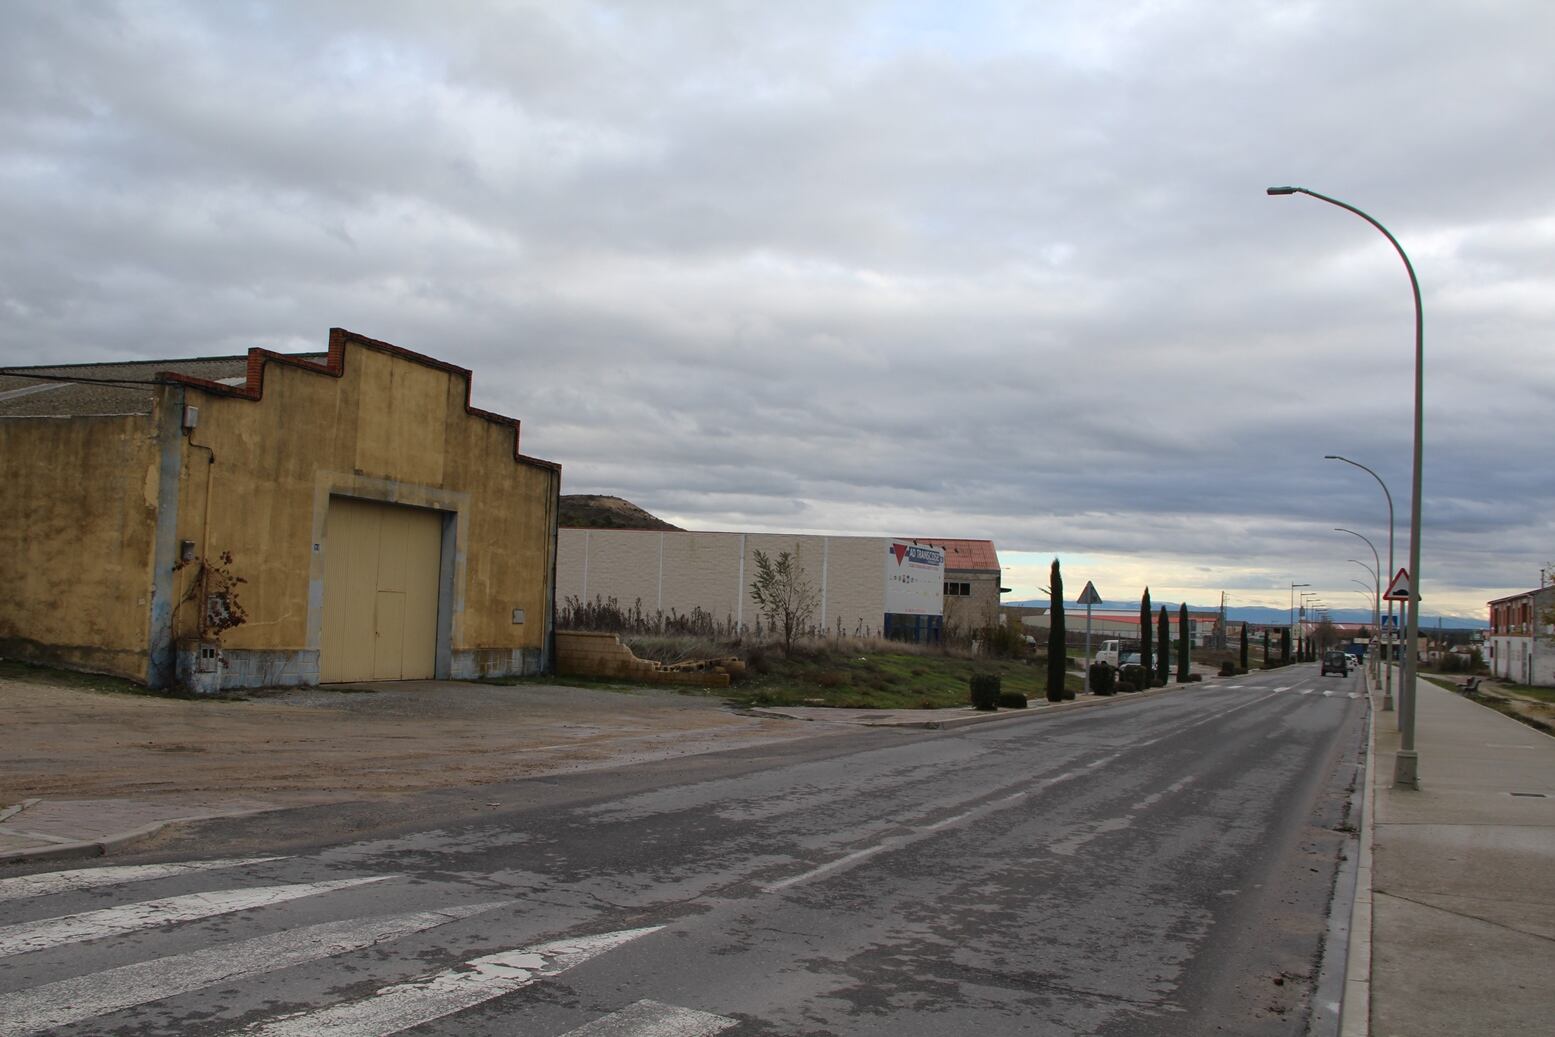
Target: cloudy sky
{"x":972,"y":269}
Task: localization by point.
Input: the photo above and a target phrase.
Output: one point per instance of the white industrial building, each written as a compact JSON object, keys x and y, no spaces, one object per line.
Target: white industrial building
{"x":866,"y":586}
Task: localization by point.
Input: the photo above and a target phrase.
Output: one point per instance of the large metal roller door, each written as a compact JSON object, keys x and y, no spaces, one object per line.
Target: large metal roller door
{"x":380,"y":591}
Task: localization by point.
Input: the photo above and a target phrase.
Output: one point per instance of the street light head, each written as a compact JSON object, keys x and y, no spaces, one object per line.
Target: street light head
{"x":1281,"y":190}
{"x":1332,"y":457}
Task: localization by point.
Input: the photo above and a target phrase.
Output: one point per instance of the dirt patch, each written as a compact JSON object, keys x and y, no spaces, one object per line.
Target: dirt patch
{"x":74,"y":742}
{"x":1535,"y":712}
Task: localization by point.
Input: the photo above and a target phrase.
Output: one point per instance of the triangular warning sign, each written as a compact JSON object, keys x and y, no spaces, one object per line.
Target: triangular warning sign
{"x":1089,"y":595}
{"x":1401,"y":589}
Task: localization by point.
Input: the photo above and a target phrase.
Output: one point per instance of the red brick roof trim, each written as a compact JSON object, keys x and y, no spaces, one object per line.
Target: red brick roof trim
{"x":335,"y":367}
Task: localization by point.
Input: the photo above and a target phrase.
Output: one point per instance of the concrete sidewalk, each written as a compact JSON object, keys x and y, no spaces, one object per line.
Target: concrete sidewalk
{"x":1462,"y":878}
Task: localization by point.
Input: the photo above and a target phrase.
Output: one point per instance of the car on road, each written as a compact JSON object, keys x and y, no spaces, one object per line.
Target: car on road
{"x":1336,"y":660}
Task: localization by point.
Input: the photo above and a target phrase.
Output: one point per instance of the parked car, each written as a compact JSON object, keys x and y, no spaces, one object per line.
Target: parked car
{"x":1336,"y":660}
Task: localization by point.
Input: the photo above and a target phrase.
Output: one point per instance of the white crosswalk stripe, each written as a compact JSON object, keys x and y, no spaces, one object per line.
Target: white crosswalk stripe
{"x":90,"y":925}
{"x":83,"y":997}
{"x":404,"y":1005}
{"x":652,"y":1019}
{"x":88,"y":878}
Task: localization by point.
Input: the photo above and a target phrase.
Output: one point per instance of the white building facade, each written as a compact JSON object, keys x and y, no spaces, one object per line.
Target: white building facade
{"x":1521,"y":642}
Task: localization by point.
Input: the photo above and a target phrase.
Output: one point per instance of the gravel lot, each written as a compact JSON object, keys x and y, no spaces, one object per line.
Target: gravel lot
{"x":348,"y":742}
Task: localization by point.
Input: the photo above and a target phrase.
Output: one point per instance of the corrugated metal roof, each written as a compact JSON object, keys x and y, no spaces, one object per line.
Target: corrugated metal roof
{"x":81,"y":392}
{"x":965,"y":554}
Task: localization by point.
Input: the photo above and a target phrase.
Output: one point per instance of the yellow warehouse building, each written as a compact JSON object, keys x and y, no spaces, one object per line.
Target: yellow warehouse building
{"x":272,"y":519}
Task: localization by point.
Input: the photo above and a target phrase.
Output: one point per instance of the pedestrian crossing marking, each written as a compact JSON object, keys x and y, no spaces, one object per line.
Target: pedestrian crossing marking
{"x":67,"y":1001}
{"x":403,"y":1005}
{"x":88,"y":878}
{"x":111,"y":921}
{"x":652,"y":1019}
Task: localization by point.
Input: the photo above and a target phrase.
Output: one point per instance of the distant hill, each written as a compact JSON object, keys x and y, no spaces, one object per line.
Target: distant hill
{"x":1265,"y":616}
{"x":594,"y":511}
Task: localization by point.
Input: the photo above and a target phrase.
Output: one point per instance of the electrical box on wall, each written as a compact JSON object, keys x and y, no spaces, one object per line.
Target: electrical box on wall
{"x":518,"y":615}
{"x":191,"y":417}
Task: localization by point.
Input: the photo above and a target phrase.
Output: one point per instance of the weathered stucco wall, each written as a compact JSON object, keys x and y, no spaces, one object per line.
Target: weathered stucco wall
{"x":77,"y":523}
{"x":390,"y":427}
{"x":673,"y":573}
{"x":972,"y":612}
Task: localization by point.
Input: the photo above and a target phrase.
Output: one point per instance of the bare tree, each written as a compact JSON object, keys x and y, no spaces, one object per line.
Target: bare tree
{"x":784,"y":594}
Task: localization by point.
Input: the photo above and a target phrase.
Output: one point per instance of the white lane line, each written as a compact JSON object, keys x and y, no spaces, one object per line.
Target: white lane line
{"x":404,"y":1005}
{"x":1067,"y":847}
{"x":652,"y":1019}
{"x":1174,"y":732}
{"x":111,"y":921}
{"x":914,"y":834}
{"x":1156,"y":797}
{"x":83,"y":997}
{"x":87,"y":878}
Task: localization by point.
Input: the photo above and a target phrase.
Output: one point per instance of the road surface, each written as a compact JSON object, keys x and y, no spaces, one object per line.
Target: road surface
{"x":1152,"y":866}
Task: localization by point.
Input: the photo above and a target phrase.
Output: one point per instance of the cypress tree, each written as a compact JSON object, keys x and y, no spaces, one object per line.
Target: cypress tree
{"x":1146,"y":656}
{"x":1056,"y":642}
{"x":1285,"y":646}
{"x":1184,"y":643}
{"x":1163,"y":647}
{"x":1244,"y":646}
{"x":1266,"y":659}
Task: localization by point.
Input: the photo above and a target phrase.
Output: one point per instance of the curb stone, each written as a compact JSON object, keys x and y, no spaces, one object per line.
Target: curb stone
{"x":116,"y":841}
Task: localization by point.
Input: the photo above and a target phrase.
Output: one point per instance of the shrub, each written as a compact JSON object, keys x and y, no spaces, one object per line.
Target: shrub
{"x":1126,"y":687}
{"x":1103,"y":679}
{"x":1135,"y":677}
{"x":1012,"y":700}
{"x":1003,"y":641}
{"x":985,"y":691}
{"x":1228,"y":669}
{"x":1068,"y":695}
{"x":1193,"y":677}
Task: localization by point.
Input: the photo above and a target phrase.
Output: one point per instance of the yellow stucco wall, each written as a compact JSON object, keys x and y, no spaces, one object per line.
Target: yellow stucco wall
{"x":77,"y":518}
{"x":391,"y":429}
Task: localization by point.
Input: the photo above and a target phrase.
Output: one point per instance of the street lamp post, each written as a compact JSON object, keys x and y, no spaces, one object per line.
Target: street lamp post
{"x":1292,"y":633}
{"x":1374,"y":592}
{"x":1406,"y":765}
{"x":1376,"y":573}
{"x":1309,"y":601}
{"x":1387,"y":686}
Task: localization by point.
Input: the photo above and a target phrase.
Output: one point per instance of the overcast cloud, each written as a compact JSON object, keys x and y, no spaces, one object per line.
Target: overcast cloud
{"x":998,"y":270}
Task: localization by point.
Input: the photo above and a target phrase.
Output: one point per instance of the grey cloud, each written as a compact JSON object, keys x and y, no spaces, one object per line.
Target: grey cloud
{"x":857,"y":267}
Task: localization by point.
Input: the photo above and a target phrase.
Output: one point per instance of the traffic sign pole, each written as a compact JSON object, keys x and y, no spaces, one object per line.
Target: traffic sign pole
{"x":1088,"y":597}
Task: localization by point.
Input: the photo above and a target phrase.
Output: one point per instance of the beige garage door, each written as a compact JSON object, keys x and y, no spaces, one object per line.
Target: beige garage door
{"x":380,"y":591}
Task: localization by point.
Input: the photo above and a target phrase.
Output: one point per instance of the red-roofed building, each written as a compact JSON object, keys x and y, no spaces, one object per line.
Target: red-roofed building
{"x":972,"y":583}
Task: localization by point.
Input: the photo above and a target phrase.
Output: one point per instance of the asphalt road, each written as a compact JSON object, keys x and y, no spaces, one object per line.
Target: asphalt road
{"x":1153,"y":866}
